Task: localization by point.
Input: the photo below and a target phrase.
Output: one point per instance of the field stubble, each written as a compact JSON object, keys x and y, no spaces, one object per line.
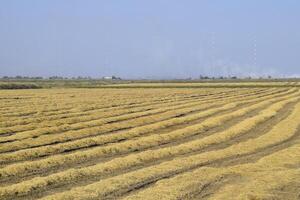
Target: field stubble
{"x":167,"y":143}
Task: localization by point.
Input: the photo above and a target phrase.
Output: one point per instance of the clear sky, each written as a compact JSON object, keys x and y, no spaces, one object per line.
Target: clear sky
{"x":149,"y":39}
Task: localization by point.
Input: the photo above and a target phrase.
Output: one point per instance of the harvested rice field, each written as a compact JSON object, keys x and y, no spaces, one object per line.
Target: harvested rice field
{"x":150,"y":143}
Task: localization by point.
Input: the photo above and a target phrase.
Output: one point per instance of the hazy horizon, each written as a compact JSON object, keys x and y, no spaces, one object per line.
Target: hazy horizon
{"x":149,"y":39}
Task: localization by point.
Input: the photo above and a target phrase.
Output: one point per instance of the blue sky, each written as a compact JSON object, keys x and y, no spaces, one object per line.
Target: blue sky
{"x":149,"y":39}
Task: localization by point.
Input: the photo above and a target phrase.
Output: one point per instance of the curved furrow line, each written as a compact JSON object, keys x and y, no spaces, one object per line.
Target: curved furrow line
{"x":106,"y":109}
{"x":86,"y":153}
{"x":140,"y":131}
{"x":264,"y":152}
{"x":78,"y":134}
{"x":106,"y":95}
{"x":119,"y":98}
{"x":110,"y":106}
{"x":197,"y":188}
{"x":196,"y":184}
{"x":123,"y":183}
{"x":54,"y":96}
{"x":41,"y":132}
{"x":116,"y":102}
{"x":128,"y":161}
{"x":33,"y":139}
{"x":113,"y":108}
{"x":277,"y":169}
{"x":74,"y":117}
{"x":83,"y":117}
{"x":101,"y":115}
{"x":121,"y":136}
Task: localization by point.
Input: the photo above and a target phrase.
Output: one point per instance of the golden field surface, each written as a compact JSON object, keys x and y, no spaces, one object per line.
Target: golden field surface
{"x":150,"y":143}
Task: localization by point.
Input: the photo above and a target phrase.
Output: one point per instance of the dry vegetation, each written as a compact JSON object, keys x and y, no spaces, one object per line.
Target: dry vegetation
{"x":233,"y":142}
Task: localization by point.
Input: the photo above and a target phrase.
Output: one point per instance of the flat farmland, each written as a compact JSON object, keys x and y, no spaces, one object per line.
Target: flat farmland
{"x":151,"y":143}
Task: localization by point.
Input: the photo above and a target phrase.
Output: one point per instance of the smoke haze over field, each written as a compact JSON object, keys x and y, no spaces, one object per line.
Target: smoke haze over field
{"x":149,"y":39}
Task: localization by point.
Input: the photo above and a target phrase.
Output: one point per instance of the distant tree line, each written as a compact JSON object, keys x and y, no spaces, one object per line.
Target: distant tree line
{"x":50,"y":78}
{"x":22,"y":77}
{"x":201,"y":77}
{"x":229,"y":77}
{"x":219,"y":77}
{"x":72,"y":78}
